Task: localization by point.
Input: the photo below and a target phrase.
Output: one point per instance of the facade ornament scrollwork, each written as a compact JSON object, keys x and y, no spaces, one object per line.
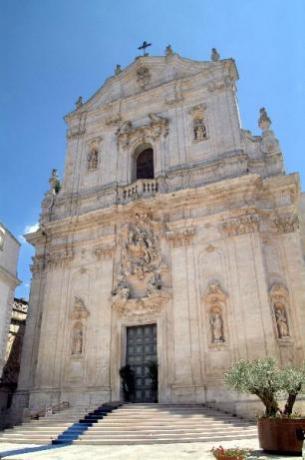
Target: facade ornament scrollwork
{"x":215,"y":299}
{"x":287,"y":224}
{"x":279,"y":298}
{"x":181,"y":237}
{"x":143,"y":76}
{"x":148,"y":305}
{"x":241,"y":225}
{"x":151,"y":131}
{"x":103,"y":252}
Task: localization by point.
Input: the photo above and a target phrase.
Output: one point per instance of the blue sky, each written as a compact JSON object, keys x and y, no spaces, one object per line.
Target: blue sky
{"x":52,"y":51}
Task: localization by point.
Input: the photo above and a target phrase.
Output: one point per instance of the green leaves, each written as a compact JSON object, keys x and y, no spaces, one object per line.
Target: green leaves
{"x":263,"y":378}
{"x":254,"y":376}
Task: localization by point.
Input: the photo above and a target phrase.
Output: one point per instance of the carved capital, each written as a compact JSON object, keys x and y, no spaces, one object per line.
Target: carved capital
{"x":181,"y":237}
{"x":59,"y":258}
{"x":287,"y":224}
{"x":37,"y":266}
{"x":241,"y":225}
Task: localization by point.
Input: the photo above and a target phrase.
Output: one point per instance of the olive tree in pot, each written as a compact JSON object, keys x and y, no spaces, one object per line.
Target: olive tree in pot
{"x":279,"y":429}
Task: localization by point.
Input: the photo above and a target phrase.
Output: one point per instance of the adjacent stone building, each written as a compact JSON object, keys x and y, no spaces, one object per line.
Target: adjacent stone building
{"x":9,"y":252}
{"x":9,"y":379}
{"x":174,"y":239}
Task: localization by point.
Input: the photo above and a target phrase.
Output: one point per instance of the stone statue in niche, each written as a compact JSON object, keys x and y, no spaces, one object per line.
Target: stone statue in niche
{"x":77,"y":339}
{"x":279,"y":297}
{"x":216,"y":324}
{"x":200,"y":132}
{"x":281,"y":321}
{"x":54,"y":182}
{"x":93,"y":159}
{"x":215,"y":299}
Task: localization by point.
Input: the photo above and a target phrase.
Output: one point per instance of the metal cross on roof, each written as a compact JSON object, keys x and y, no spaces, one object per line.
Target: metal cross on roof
{"x":143,"y":47}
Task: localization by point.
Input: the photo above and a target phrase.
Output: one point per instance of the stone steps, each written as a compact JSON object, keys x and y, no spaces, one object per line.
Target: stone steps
{"x":133,"y":424}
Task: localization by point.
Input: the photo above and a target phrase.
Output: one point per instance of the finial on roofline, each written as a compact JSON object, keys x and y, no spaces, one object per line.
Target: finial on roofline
{"x":79,"y":102}
{"x":264,"y":121}
{"x":118,"y":69}
{"x":215,"y":56}
{"x":169,"y":51}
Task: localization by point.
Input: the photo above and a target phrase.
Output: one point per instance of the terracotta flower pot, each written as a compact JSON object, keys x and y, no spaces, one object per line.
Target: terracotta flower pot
{"x":281,"y":435}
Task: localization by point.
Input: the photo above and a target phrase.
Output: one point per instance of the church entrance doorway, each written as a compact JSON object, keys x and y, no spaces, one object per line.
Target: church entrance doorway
{"x":141,"y":355}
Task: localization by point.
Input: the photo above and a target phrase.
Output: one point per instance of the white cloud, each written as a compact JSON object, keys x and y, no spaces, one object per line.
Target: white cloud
{"x":31,"y":228}
{"x":28,"y":229}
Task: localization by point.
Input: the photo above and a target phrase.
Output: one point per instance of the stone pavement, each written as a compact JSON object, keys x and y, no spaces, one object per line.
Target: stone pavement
{"x":193,"y":451}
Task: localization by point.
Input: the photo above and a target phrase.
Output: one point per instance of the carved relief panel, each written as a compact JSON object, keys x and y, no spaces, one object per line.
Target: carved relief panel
{"x":139,"y":284}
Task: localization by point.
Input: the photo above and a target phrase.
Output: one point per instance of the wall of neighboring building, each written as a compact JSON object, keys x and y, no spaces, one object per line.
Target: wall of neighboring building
{"x":9,"y":380}
{"x":9,"y":252}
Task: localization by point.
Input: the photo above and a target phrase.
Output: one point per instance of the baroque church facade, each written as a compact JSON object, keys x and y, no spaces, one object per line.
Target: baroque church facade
{"x":175,"y":238}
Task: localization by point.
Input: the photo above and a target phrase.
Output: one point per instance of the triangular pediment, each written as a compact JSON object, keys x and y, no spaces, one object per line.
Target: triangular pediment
{"x":148,"y":72}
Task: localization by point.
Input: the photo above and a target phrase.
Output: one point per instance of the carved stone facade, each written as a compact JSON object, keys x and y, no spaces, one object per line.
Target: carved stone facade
{"x":206,"y":244}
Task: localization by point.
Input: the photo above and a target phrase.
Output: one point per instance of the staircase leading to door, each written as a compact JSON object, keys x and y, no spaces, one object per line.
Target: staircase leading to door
{"x":134,"y":424}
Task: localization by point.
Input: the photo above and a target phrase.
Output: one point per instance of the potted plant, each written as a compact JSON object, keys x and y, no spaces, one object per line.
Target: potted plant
{"x":229,"y":454}
{"x":128,"y":382}
{"x":279,"y":430}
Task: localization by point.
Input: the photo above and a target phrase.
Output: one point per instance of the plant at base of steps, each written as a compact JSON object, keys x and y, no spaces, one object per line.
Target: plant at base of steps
{"x":128,"y":382}
{"x":231,"y":454}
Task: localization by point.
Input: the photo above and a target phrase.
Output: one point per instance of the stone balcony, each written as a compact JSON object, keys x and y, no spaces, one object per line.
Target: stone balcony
{"x":142,"y":188}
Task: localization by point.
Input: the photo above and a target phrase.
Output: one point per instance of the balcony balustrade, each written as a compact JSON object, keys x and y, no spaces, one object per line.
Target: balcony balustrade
{"x":142,"y":188}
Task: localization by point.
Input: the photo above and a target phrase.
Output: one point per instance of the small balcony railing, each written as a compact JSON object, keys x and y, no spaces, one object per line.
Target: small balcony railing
{"x":140,"y":188}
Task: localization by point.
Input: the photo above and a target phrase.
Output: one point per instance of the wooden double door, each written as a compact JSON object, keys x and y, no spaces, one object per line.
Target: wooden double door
{"x":142,"y":357}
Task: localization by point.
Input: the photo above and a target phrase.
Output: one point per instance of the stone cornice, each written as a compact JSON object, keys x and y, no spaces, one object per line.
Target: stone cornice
{"x":249,"y":189}
{"x":184,"y":197}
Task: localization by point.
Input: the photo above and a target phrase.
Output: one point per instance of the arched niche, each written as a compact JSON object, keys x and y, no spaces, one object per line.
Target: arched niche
{"x":143,"y":162}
